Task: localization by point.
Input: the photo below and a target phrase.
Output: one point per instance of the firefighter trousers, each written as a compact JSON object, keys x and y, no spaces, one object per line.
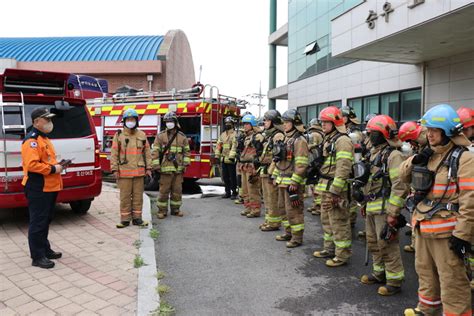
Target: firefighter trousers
{"x":442,"y":277}
{"x":336,"y":227}
{"x":353,"y":209}
{"x":230,"y":177}
{"x":294,"y":222}
{"x":131,"y":198}
{"x":274,"y":208}
{"x":41,"y":211}
{"x":171,"y":188}
{"x":387,"y":261}
{"x":251,"y":193}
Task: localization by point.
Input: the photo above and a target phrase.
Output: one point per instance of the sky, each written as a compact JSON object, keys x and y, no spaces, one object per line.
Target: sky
{"x":228,"y":38}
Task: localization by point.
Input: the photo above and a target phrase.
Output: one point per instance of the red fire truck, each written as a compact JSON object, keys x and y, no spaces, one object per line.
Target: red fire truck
{"x":200,"y":109}
{"x":73,"y":136}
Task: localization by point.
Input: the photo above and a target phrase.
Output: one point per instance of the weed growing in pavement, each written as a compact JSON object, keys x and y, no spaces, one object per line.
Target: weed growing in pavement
{"x":165,"y":308}
{"x":163,"y":289}
{"x":160,"y":275}
{"x":154,"y":234}
{"x":138,"y":261}
{"x":137,"y":243}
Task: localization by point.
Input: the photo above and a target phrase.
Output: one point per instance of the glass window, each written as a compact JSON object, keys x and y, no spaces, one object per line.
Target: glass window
{"x":390,"y":105}
{"x":322,"y":59}
{"x":371,"y":105}
{"x":312,"y":112}
{"x":356,"y":105}
{"x":335,"y":103}
{"x":411,"y":105}
{"x":303,"y":110}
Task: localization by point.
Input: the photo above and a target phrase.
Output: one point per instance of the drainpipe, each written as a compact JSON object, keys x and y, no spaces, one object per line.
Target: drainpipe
{"x":423,"y":89}
{"x":272,"y":54}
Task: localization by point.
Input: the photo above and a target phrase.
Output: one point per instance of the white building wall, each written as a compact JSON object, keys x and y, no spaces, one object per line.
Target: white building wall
{"x":450,"y":80}
{"x":358,"y":79}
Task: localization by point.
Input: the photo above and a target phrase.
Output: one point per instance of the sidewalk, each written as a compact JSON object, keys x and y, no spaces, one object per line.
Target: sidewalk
{"x":95,"y":276}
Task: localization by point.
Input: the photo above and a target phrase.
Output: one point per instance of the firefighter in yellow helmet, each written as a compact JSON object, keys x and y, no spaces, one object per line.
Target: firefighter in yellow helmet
{"x":275,"y":210}
{"x":315,"y":138}
{"x":291,"y":163}
{"x":385,"y":195}
{"x":130,"y":161}
{"x":337,"y":156}
{"x":171,"y":157}
{"x":249,"y":164}
{"x":443,"y":219}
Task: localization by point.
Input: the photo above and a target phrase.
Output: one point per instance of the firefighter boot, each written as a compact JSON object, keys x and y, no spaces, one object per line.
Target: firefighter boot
{"x":413,"y":312}
{"x":269,"y":228}
{"x":285,"y":237}
{"x":162,"y":214}
{"x":316,"y":212}
{"x":408,"y":248}
{"x":334,"y":262}
{"x":254,"y":213}
{"x":388,"y":290}
{"x":372,"y":279}
{"x":177,"y":213}
{"x":245,"y":212}
{"x":139,"y":222}
{"x":323,"y":254}
{"x":296,"y":240}
{"x":122,"y":224}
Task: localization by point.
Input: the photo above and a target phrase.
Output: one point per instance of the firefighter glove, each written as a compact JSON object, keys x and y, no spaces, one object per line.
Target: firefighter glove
{"x":423,"y":156}
{"x":294,"y":197}
{"x":459,"y":246}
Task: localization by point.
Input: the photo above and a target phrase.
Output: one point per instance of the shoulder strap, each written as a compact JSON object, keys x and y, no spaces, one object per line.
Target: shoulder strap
{"x":167,"y":146}
{"x":453,"y":162}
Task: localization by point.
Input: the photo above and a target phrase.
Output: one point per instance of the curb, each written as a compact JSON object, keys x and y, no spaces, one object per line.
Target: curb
{"x":148,"y":298}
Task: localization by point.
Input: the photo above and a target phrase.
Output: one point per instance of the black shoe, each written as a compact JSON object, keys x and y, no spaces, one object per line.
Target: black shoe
{"x":233,"y":196}
{"x":53,"y":255}
{"x":139,"y":222}
{"x":226,"y":196}
{"x":44,"y":263}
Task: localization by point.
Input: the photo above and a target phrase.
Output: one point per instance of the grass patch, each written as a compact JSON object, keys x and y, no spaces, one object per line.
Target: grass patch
{"x":137,"y":243}
{"x":160,"y":275}
{"x":164,"y":309}
{"x":138,"y":261}
{"x":163,"y":289}
{"x":154,"y":233}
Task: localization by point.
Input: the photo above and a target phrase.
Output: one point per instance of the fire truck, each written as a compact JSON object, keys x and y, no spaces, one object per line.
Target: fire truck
{"x":74,"y":137}
{"x":200,"y":110}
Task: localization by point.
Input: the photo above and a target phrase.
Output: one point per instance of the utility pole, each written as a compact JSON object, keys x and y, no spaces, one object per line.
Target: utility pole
{"x":258,"y":96}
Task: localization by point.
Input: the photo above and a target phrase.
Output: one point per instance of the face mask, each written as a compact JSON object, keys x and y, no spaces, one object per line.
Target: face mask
{"x":131,"y":124}
{"x":228,"y":127}
{"x":48,"y":127}
{"x":376,"y":138}
{"x":169,"y":125}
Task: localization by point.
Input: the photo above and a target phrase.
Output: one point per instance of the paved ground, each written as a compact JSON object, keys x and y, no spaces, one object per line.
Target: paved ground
{"x":95,"y":275}
{"x":218,"y":263}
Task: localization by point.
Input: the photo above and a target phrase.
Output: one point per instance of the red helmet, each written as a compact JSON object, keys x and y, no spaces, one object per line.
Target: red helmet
{"x":467,"y":116}
{"x":332,"y":114}
{"x":409,"y":131}
{"x":383,"y":124}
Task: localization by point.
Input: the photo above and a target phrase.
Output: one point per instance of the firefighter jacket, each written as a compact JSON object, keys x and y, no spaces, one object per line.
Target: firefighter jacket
{"x":176,"y":158}
{"x":455,"y":196}
{"x":338,"y":153}
{"x":291,"y":170}
{"x":130,"y":155}
{"x":385,"y":191}
{"x":39,"y":160}
{"x":272,"y":136}
{"x":226,"y":148}
{"x":315,"y":138}
{"x":253,"y":146}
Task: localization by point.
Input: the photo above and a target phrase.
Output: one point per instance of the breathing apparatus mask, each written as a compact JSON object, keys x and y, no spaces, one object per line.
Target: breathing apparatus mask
{"x":376,"y":138}
{"x":316,"y":160}
{"x":279,"y":151}
{"x":422,"y":181}
{"x":361,"y":171}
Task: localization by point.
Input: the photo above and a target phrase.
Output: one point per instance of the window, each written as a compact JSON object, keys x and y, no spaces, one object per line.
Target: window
{"x":411,"y":105}
{"x":356,"y":105}
{"x":390,"y":105}
{"x":371,"y":105}
{"x":303,"y":111}
{"x":311,"y":48}
{"x":312,"y":112}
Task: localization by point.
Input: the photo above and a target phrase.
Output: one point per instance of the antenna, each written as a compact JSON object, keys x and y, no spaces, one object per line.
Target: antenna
{"x":200,"y":72}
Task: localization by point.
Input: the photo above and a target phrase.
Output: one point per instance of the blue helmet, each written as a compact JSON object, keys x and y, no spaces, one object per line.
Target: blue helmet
{"x":444,"y":117}
{"x":130,"y":113}
{"x":249,"y":118}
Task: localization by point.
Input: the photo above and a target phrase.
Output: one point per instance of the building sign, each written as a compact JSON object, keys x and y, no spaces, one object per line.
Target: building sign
{"x":387,"y":9}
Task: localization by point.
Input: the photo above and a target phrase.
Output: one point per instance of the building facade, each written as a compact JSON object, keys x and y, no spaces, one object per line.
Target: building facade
{"x":396,"y":58}
{"x":143,"y":62}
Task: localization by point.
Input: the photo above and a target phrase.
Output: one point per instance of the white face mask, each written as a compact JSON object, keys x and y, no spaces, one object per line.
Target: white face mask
{"x":48,"y":127}
{"x":130,"y":124}
{"x":169,"y":125}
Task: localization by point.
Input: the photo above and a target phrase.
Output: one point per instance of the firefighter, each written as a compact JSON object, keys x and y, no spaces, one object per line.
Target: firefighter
{"x":130,"y":161}
{"x":443,"y":219}
{"x":415,"y":134}
{"x":171,"y":157}
{"x":226,"y":151}
{"x":315,"y":138}
{"x":291,"y":163}
{"x":249,"y":164}
{"x":274,"y":211}
{"x":240,"y":138}
{"x":337,"y":158}
{"x":351,"y":121}
{"x":384,"y":196}
{"x":42,"y":181}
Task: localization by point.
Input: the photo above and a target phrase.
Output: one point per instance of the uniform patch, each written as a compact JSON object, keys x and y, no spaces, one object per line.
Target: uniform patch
{"x":33,"y":144}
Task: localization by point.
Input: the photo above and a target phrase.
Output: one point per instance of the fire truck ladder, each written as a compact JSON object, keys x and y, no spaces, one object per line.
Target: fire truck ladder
{"x":14,"y":108}
{"x":214,"y":137}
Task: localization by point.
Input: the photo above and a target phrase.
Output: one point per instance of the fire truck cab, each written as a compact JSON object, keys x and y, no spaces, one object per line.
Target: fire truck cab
{"x":200,"y":118}
{"x":21,"y":91}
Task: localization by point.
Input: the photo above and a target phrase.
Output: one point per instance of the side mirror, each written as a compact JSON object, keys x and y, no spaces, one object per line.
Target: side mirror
{"x":62,"y":105}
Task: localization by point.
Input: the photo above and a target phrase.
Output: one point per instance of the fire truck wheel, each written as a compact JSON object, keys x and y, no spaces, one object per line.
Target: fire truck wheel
{"x":80,"y":207}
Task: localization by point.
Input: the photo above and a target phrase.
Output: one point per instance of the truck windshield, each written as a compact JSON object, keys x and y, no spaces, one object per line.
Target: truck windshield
{"x":73,"y":123}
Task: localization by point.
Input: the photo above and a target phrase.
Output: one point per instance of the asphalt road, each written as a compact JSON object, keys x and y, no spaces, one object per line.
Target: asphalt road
{"x":219,"y":263}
